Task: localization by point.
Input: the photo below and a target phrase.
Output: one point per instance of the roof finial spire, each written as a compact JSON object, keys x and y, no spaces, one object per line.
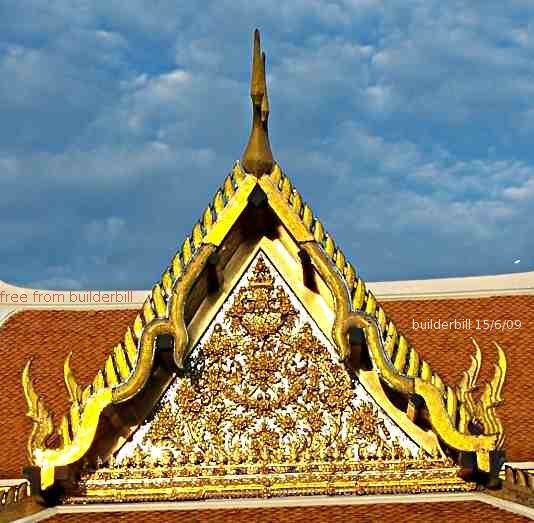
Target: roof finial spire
{"x":258,"y":158}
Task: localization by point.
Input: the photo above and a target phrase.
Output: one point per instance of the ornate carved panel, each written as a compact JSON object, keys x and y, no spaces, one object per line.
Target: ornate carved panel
{"x":265,"y":407}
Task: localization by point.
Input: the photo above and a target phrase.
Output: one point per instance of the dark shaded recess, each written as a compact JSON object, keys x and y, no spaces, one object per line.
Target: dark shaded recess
{"x":308,"y":272}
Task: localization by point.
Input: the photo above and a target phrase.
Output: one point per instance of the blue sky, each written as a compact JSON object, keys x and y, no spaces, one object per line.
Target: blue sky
{"x":408,"y":126}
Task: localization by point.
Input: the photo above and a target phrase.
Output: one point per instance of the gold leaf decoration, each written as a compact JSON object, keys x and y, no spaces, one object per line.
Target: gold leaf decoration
{"x":264,"y":395}
{"x":228,"y":190}
{"x":73,"y":389}
{"x":307,"y":217}
{"x":38,"y":412}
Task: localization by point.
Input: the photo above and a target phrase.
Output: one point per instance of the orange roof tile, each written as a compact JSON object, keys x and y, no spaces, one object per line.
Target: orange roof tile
{"x":457,"y":512}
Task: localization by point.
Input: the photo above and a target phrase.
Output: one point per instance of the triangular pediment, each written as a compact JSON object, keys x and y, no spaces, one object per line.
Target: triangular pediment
{"x":264,"y":395}
{"x":252,"y":216}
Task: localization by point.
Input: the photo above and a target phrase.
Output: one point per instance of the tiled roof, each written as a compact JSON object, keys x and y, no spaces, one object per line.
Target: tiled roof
{"x":49,"y":335}
{"x":457,"y":512}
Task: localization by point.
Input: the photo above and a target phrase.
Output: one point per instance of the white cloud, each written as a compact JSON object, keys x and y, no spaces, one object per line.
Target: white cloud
{"x":8,"y":165}
{"x":105,"y":232}
{"x":407,"y":123}
{"x":523,"y":192}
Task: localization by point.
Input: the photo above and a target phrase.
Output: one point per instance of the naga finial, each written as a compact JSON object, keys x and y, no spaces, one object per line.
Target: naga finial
{"x":38,"y":413}
{"x":483,"y":409}
{"x":258,"y":158}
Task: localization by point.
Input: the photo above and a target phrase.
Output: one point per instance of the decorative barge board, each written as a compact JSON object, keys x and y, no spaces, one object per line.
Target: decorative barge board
{"x":265,"y":407}
{"x":261,"y":365}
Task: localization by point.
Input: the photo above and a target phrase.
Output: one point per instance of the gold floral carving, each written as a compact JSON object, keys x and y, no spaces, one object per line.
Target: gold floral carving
{"x":263,"y":399}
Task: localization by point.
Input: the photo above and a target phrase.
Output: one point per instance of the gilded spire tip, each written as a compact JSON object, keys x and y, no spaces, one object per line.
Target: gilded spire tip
{"x":258,"y":158}
{"x":257,"y":81}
